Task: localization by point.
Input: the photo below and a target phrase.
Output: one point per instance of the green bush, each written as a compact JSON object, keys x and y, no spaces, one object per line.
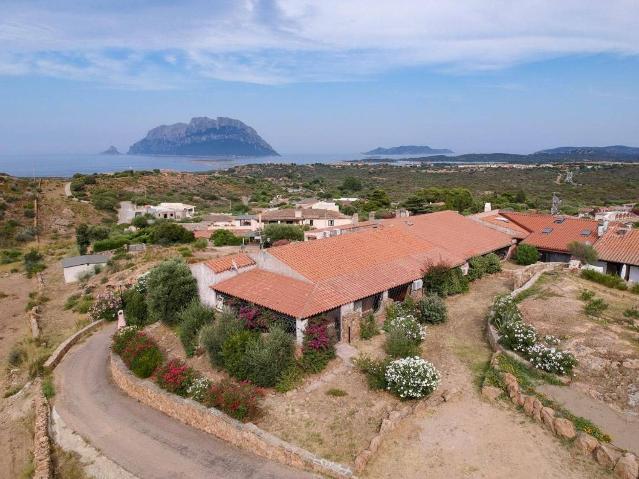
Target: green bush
{"x":170,"y":285}
{"x":191,"y":319}
{"x":200,"y":244}
{"x":141,"y":354}
{"x":224,"y":237}
{"x":444,"y":281}
{"x":398,"y":345}
{"x":478,"y":267}
{"x":526,"y":254}
{"x":48,"y":388}
{"x":314,"y":361}
{"x":595,"y":307}
{"x":110,"y":243}
{"x":634,"y":288}
{"x":368,"y":326}
{"x":234,"y":353}
{"x":289,"y":379}
{"x":215,"y":335}
{"x":604,"y":279}
{"x":493,"y":263}
{"x":166,"y":232}
{"x":277,"y":232}
{"x":33,"y":262}
{"x":175,"y":377}
{"x":432,"y":309}
{"x":135,"y":308}
{"x":586,"y":295}
{"x":631,"y":313}
{"x":584,"y":252}
{"x":375,"y":370}
{"x":269,"y":357}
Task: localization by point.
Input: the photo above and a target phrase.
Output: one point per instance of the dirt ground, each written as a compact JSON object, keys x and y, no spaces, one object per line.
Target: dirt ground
{"x":468,"y":437}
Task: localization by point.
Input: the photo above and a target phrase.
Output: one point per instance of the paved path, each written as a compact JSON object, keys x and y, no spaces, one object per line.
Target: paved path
{"x":67,"y":189}
{"x":142,"y":440}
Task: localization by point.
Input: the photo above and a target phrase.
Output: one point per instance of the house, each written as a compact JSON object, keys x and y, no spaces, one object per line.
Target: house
{"x":76,"y":267}
{"x":315,"y":218}
{"x":618,"y":252}
{"x":345,"y":276}
{"x":216,"y":270}
{"x":315,"y":204}
{"x":172,"y":211}
{"x":552,"y":235}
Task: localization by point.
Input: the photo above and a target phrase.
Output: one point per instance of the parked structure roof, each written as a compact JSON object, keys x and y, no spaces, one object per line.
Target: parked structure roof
{"x":84,"y":259}
{"x":226,"y":263}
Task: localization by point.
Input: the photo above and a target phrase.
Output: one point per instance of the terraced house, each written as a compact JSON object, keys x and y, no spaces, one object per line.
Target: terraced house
{"x":346,"y":276}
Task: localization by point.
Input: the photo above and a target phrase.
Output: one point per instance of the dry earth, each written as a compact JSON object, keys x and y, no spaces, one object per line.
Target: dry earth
{"x":468,"y":437}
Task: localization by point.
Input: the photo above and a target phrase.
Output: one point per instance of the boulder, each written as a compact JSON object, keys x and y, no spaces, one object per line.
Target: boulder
{"x":606,"y":456}
{"x":520,"y":399}
{"x":528,"y":404}
{"x":510,"y":380}
{"x":375,"y":442}
{"x":548,"y":418}
{"x":585,"y":443}
{"x":362,"y":459}
{"x":564,"y":428}
{"x":627,"y":467}
{"x":537,"y":410}
{"x":490,"y":392}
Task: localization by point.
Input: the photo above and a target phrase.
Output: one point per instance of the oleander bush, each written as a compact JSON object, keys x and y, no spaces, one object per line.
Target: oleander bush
{"x":122,"y":337}
{"x":238,"y":400}
{"x":198,"y":388}
{"x":141,"y":354}
{"x":191,"y":319}
{"x":431,"y":309}
{"x":106,"y":306}
{"x":550,"y":359}
{"x":176,"y":377}
{"x":504,"y":310}
{"x":411,"y":377}
{"x":404,"y":334}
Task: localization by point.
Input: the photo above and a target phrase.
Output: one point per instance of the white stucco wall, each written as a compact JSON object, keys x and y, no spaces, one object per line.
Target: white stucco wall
{"x":270,"y":263}
{"x":206,"y":278}
{"x":72,"y":274}
{"x":634,"y":274}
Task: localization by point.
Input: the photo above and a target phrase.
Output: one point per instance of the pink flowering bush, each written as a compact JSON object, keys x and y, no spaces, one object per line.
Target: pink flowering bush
{"x":237,"y":399}
{"x":106,"y":306}
{"x":253,"y":318}
{"x":318,"y":345}
{"x":176,"y":377}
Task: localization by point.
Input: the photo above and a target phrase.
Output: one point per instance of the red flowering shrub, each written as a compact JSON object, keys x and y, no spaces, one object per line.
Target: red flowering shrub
{"x":253,"y":318}
{"x":142,"y":355}
{"x":317,"y":346}
{"x":238,"y":400}
{"x":175,"y":377}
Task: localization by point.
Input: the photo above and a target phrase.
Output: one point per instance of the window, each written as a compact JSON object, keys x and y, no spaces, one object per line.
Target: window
{"x":310,"y":222}
{"x":585,"y":232}
{"x":546,"y":231}
{"x":331,"y":222}
{"x":560,"y":220}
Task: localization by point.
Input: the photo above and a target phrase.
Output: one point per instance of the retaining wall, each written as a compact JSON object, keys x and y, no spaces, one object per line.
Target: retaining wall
{"x":245,"y":436}
{"x":64,"y":347}
{"x":41,"y":446}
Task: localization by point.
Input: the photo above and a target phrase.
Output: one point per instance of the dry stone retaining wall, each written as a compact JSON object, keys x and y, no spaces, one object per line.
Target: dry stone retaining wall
{"x":64,"y":347}
{"x":246,"y":436}
{"x":41,"y":446}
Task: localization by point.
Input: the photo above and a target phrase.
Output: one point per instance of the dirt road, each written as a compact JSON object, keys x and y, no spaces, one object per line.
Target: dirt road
{"x":469,"y":437}
{"x":143,"y":441}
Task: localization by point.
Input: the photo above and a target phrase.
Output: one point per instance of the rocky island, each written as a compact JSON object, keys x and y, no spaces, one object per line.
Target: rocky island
{"x":204,"y":136}
{"x":112,"y":150}
{"x":409,"y":150}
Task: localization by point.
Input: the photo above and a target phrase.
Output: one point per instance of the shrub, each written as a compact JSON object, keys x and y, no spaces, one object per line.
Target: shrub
{"x":191,"y":319}
{"x":398,"y":345}
{"x":604,"y":279}
{"x":526,"y":254}
{"x":432,"y":309}
{"x":631,"y":313}
{"x":551,"y":359}
{"x":16,"y":356}
{"x":269,"y":357}
{"x":253,"y":318}
{"x":317,"y":346}
{"x":234,"y":353}
{"x":135,"y":308}
{"x":110,"y":243}
{"x":518,"y":336}
{"x":406,"y":307}
{"x":238,"y":400}
{"x":224,"y":237}
{"x":215,"y":335}
{"x":170,"y":286}
{"x":584,"y":252}
{"x":142,"y":355}
{"x":408,"y":327}
{"x":175,"y":377}
{"x":493,"y":263}
{"x":122,"y":337}
{"x":375,"y":370}
{"x":635,"y":288}
{"x":289,"y":379}
{"x":586,"y":295}
{"x":478,"y":267}
{"x":335,"y":392}
{"x":276,"y":232}
{"x":411,"y":378}
{"x":48,"y":388}
{"x":106,"y":306}
{"x":166,"y":232}
{"x":200,"y":244}
{"x":368,"y":326}
{"x":314,"y":361}
{"x":595,"y":307}
{"x":33,"y":262}
{"x":198,"y":388}
{"x":444,"y":281}
{"x":504,"y":310}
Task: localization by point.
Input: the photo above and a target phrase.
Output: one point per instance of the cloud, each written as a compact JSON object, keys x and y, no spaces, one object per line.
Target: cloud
{"x":164,"y":44}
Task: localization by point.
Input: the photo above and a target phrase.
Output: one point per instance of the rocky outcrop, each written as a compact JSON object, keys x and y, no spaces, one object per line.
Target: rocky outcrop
{"x":204,"y":137}
{"x":409,"y":150}
{"x":112,"y":150}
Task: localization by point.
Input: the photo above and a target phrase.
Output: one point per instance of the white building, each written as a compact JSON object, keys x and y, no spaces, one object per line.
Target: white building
{"x":78,"y":266}
{"x":171,"y":211}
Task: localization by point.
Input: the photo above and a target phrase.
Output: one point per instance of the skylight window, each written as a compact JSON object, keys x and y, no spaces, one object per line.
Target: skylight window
{"x":546,"y":231}
{"x":585,"y":232}
{"x":560,"y":220}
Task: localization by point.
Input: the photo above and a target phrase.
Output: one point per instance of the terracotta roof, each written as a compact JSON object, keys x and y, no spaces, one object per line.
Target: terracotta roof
{"x":216,"y":218}
{"x":225,"y":263}
{"x":554,"y":233}
{"x":306,"y":213}
{"x":453,"y":232}
{"x":619,"y":245}
{"x":494,"y":219}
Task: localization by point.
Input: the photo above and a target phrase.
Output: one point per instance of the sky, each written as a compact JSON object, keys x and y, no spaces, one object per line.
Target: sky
{"x":329,"y":76}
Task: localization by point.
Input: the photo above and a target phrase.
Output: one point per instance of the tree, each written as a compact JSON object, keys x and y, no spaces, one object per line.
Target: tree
{"x":170,"y":287}
{"x":192,"y":318}
{"x":584,"y":252}
{"x":377,"y":200}
{"x":526,"y":254}
{"x":82,"y":237}
{"x":351,"y":183}
{"x":417,"y":205}
{"x":166,"y":232}
{"x":135,"y":309}
{"x":276,"y":232}
{"x":459,"y":199}
{"x":224,"y":237}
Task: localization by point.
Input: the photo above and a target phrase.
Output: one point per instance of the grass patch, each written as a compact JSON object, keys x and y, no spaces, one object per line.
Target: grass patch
{"x":10,"y":392}
{"x":48,"y":389}
{"x":536,"y":289}
{"x":526,"y":376}
{"x":67,"y":464}
{"x":595,"y":307}
{"x":336,"y":392}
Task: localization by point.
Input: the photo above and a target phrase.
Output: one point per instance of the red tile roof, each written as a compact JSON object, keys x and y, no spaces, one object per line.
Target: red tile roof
{"x":554,"y":233}
{"x":619,"y":245}
{"x":226,"y":263}
{"x":494,"y":219}
{"x":306,"y":213}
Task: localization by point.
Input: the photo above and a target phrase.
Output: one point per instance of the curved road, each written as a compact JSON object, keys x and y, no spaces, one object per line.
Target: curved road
{"x":142,"y":440}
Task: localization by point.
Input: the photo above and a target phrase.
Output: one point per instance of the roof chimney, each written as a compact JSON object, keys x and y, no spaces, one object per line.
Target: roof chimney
{"x":602,"y":228}
{"x":487,"y":207}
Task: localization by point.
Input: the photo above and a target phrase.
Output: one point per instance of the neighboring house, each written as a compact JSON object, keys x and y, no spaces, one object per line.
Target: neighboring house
{"x":314,"y":218}
{"x":216,"y":270}
{"x":331,"y":231}
{"x":315,"y":204}
{"x":551,"y":235}
{"x":345,"y":276}
{"x":618,"y":252}
{"x":77,"y":266}
{"x":173,"y":211}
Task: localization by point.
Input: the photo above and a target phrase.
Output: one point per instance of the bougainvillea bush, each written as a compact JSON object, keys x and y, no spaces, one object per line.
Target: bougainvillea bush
{"x":318,"y":345}
{"x":238,"y":400}
{"x":106,"y":306}
{"x":141,"y":354}
{"x":411,"y":378}
{"x":175,"y":377}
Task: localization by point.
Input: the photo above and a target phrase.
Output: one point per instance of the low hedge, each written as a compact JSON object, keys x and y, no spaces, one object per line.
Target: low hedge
{"x":138,"y":351}
{"x":606,"y":280}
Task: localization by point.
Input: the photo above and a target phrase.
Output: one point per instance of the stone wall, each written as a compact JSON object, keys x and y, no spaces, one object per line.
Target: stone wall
{"x":41,"y":446}
{"x":245,"y":436}
{"x":64,"y":347}
{"x":524,"y":275}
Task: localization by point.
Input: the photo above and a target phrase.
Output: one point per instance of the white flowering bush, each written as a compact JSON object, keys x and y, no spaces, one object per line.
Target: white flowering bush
{"x":411,"y":378}
{"x":408,"y":326}
{"x":518,"y":336}
{"x":198,"y":388}
{"x":550,"y":359}
{"x":504,"y":310}
{"x":106,"y":306}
